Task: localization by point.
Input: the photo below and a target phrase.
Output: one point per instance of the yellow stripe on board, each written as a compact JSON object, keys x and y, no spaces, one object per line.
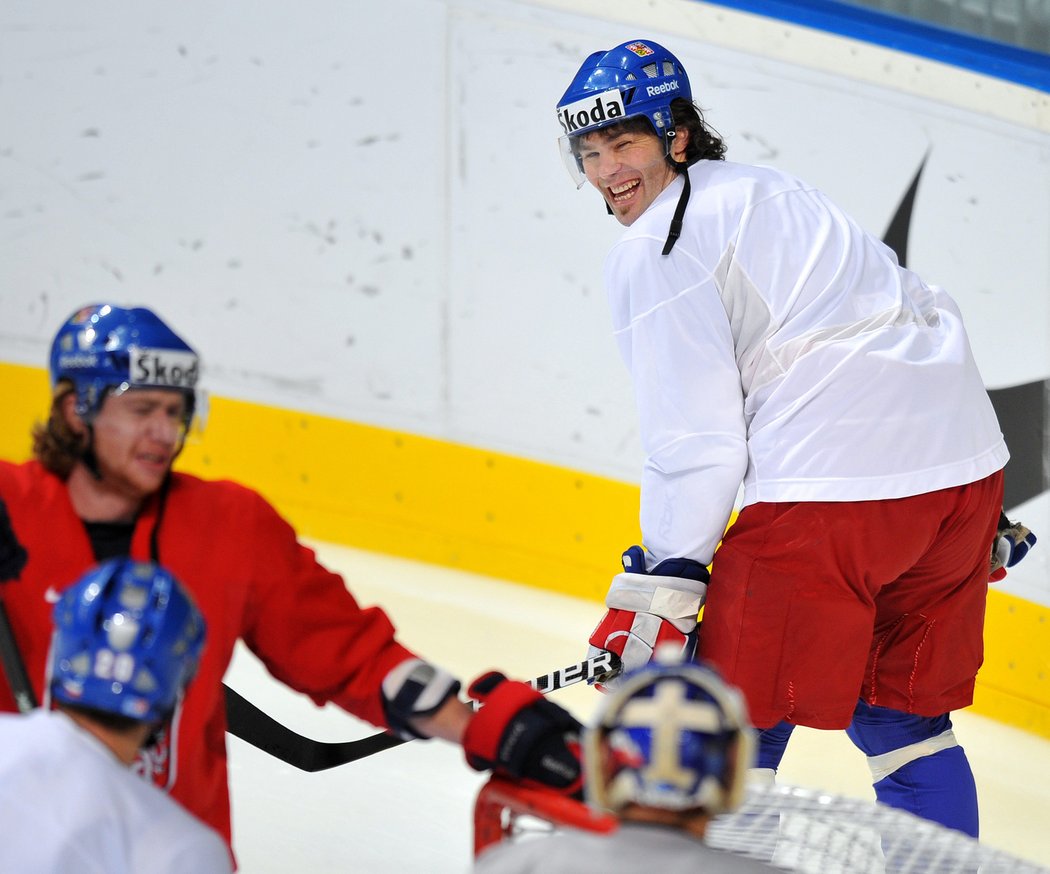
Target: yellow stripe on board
{"x":422,"y":498}
{"x":25,"y":394}
{"x":484,"y":512}
{"x":1013,"y":685}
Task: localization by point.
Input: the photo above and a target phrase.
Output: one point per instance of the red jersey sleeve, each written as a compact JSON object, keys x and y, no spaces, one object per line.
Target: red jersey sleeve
{"x":259,"y":583}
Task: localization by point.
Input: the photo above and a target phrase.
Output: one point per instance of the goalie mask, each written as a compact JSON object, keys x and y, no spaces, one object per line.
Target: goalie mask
{"x":103,"y":348}
{"x":672,"y":736}
{"x":127,"y":641}
{"x":637,"y":79}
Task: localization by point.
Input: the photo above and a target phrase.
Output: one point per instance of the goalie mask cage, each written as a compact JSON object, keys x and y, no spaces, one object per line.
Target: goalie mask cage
{"x":789,"y":828}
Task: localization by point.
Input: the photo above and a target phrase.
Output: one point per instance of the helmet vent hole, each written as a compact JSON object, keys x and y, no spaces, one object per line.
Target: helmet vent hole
{"x":132,"y":597}
{"x":145,"y":683}
{"x":651,"y":70}
{"x":80,"y":664}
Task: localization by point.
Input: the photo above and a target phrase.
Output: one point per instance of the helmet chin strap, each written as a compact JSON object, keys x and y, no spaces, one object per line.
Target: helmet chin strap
{"x":675,"y":231}
{"x":89,"y":458}
{"x":87,"y":453}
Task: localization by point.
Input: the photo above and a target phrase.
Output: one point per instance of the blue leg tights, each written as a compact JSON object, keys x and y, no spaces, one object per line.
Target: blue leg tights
{"x":917,"y":765}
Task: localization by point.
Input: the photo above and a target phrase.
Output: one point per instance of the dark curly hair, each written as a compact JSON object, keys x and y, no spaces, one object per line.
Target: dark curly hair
{"x":705,"y":143}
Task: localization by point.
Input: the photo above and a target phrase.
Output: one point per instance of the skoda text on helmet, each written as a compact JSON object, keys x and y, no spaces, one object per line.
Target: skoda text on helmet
{"x":638,"y":78}
{"x":681,"y":735}
{"x":103,"y":348}
{"x":127,"y":640}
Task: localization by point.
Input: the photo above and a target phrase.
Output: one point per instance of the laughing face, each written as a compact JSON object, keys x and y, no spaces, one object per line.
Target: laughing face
{"x":629,"y":167}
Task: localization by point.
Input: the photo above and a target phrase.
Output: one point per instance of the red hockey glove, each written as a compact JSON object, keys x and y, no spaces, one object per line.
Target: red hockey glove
{"x":650,"y":609}
{"x":1011,"y":544}
{"x":519,"y":733}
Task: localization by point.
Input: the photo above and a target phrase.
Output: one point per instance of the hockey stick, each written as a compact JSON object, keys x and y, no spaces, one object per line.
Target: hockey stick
{"x":250,"y":724}
{"x":14,"y":667}
{"x":599,"y":668}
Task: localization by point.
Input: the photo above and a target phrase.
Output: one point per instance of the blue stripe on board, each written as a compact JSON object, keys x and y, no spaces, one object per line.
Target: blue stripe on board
{"x":908,"y":35}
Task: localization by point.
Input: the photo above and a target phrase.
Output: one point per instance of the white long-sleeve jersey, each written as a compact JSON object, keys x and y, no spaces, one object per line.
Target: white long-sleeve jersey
{"x":632,"y":847}
{"x":781,"y":347}
{"x":68,"y":804}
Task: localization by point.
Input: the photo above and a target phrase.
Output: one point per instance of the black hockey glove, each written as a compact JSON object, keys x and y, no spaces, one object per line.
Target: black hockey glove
{"x":519,"y":733}
{"x":12,"y":553}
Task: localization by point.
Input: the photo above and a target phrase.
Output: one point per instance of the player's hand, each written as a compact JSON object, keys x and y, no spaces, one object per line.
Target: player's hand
{"x":519,"y":733}
{"x":648,"y":609}
{"x":12,"y":553}
{"x":1011,"y":544}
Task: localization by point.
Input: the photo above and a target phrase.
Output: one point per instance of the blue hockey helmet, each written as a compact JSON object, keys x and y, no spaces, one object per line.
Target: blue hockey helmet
{"x":679,"y":737}
{"x":103,"y":348}
{"x":127,"y":640}
{"x":637,"y":78}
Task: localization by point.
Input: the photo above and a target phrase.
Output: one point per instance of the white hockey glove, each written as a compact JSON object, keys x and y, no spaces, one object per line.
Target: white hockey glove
{"x":648,"y":609}
{"x":415,"y":689}
{"x":1011,"y":544}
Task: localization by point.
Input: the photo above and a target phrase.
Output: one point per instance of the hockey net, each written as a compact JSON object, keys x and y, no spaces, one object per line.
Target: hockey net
{"x":789,"y":828}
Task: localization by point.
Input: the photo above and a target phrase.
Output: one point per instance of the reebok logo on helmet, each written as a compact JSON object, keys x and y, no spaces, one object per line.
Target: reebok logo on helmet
{"x":582,"y":114}
{"x":653,"y":90}
{"x":78,"y":360}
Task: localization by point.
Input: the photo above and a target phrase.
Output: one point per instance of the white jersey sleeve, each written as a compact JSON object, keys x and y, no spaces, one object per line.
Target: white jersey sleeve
{"x":676,"y":341}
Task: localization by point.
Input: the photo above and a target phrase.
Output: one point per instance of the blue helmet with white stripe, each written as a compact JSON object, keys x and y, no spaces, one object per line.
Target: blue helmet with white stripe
{"x":679,"y":738}
{"x":637,"y":78}
{"x":127,"y":641}
{"x":103,"y":348}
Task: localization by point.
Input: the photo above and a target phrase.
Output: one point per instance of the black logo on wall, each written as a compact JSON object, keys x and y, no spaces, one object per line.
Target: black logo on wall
{"x":1022,"y":409}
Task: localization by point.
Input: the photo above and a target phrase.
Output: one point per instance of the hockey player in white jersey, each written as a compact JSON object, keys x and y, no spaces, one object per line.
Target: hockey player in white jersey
{"x":668,"y":750}
{"x":776,"y":345}
{"x":127,"y":641}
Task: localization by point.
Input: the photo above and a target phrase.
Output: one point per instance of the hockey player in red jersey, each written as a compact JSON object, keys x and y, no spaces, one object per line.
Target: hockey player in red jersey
{"x":776,"y":347}
{"x":100,"y":485}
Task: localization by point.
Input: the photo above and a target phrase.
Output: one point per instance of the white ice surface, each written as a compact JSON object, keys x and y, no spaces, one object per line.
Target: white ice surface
{"x":409,"y":809}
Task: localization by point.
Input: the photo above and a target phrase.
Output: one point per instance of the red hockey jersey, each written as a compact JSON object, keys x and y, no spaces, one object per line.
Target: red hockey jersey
{"x":252,"y":580}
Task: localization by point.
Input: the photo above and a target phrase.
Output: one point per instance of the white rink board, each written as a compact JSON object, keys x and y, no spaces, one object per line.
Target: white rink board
{"x":359,"y":220}
{"x":409,"y":809}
